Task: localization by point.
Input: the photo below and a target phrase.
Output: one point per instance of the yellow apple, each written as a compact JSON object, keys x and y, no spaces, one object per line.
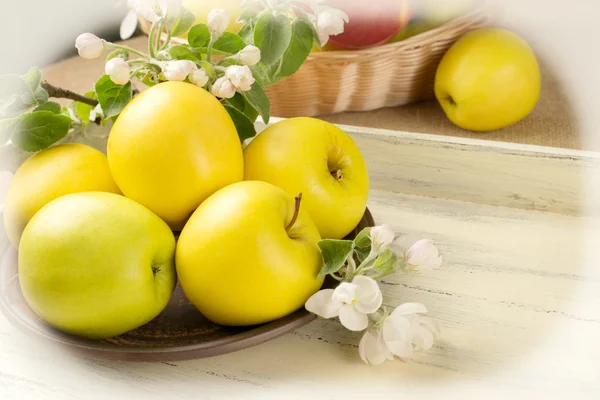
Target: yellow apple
{"x":172,"y":147}
{"x":49,"y":174}
{"x":489,"y":79}
{"x":319,"y":160}
{"x":245,"y":257}
{"x":96,"y":264}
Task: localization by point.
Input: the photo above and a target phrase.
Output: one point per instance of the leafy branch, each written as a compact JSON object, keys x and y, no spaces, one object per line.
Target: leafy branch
{"x":273,"y":42}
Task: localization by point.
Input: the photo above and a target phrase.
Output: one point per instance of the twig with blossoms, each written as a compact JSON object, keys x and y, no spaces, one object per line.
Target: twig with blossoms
{"x":358,"y":301}
{"x":275,"y":39}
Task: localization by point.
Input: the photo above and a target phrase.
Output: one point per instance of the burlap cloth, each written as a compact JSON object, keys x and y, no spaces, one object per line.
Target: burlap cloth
{"x":552,"y":123}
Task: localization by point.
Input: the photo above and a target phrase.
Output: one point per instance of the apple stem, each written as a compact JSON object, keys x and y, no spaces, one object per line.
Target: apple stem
{"x":297,"y":199}
{"x":337,"y":174}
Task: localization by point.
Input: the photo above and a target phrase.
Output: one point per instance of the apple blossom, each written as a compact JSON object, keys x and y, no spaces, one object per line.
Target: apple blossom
{"x":96,"y":112}
{"x":118,"y":70}
{"x":154,"y":10}
{"x":249,"y":55}
{"x":329,"y":22}
{"x":372,"y":348}
{"x":89,"y":46}
{"x":218,"y":21}
{"x":223,"y":88}
{"x":198,"y":77}
{"x":240,"y":76}
{"x":128,"y":25}
{"x":400,"y":334}
{"x":178,"y":70}
{"x":352,"y":302}
{"x":382,"y":236}
{"x":422,"y":256}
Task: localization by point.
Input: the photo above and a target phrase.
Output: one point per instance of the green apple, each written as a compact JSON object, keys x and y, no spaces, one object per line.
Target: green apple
{"x":96,"y":264}
{"x":319,"y":160}
{"x":249,"y":255}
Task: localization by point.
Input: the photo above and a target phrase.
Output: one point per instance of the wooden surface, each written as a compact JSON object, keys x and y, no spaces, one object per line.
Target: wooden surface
{"x":518,"y":296}
{"x":552,"y":123}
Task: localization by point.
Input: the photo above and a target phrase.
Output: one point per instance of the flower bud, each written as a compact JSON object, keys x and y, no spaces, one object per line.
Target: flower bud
{"x":249,"y":55}
{"x":118,"y":70}
{"x":199,"y":78}
{"x":223,"y":88}
{"x":423,"y":256}
{"x":240,"y":76}
{"x":218,"y":21}
{"x":382,"y":236}
{"x":89,"y":46}
{"x":178,"y":70}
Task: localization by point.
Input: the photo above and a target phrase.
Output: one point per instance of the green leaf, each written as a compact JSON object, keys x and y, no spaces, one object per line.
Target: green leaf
{"x":39,"y":130}
{"x":241,"y":103}
{"x":51,"y":106}
{"x":13,"y":89}
{"x":38,"y":95}
{"x":335,"y":254}
{"x":184,"y":52}
{"x":19,"y":93}
{"x":246,"y":32}
{"x":183,"y":23}
{"x":229,"y":43}
{"x":258,"y":99}
{"x":118,"y":53}
{"x":363,"y":239}
{"x":386,"y":262}
{"x":272,"y":36}
{"x":83,"y":110}
{"x":261,"y":74}
{"x":244,"y":126}
{"x":198,"y":36}
{"x":298,"y":50}
{"x":248,"y":14}
{"x":112,"y":97}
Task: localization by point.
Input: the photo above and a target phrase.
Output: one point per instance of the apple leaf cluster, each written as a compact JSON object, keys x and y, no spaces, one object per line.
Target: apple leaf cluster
{"x":345,"y":259}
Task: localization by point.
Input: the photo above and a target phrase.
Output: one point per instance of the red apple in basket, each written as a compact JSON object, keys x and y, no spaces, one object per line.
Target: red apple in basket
{"x":371,"y":22}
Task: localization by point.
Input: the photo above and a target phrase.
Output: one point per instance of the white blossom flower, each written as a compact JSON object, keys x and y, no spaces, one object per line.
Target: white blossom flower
{"x":352,"y":302}
{"x":128,"y":25}
{"x":154,"y":10}
{"x":249,"y":55}
{"x":223,"y":88}
{"x":372,"y":348}
{"x":178,"y":70}
{"x":329,"y":22}
{"x":382,"y":236}
{"x":240,"y":76}
{"x":96,"y":112}
{"x":218,"y":21}
{"x":198,"y":77}
{"x":118,"y":70}
{"x":89,"y":46}
{"x":400,"y":334}
{"x":423,"y":256}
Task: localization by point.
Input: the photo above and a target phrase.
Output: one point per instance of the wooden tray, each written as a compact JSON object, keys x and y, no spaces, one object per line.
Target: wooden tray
{"x":518,"y":295}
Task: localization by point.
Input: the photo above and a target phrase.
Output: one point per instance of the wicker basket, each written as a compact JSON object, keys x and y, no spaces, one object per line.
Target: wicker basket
{"x":361,"y":80}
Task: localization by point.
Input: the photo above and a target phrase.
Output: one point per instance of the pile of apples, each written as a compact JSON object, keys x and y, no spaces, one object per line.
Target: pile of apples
{"x":103,"y":239}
